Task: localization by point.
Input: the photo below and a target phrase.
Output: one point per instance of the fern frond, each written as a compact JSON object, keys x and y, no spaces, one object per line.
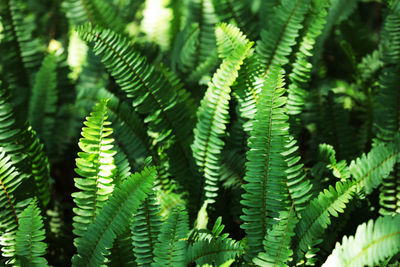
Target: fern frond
{"x":95,"y":166}
{"x":113,"y":219}
{"x":368,"y":171}
{"x":373,"y":242}
{"x":239,"y":14}
{"x":265,"y":191}
{"x":24,"y":148}
{"x":38,"y":165}
{"x":22,"y":53}
{"x":10,"y":179}
{"x":145,"y":228}
{"x":277,"y":243}
{"x":213,"y":112}
{"x":29,"y":245}
{"x":214,"y":252}
{"x":317,"y":216}
{"x":247,"y":89}
{"x":121,"y":252}
{"x":328,"y":157}
{"x":283,"y":29}
{"x":151,"y":94}
{"x":387,"y":111}
{"x":339,"y":10}
{"x":101,"y":13}
{"x":201,"y":43}
{"x":298,"y":185}
{"x":42,"y":106}
{"x":301,"y":71}
{"x":171,"y":246}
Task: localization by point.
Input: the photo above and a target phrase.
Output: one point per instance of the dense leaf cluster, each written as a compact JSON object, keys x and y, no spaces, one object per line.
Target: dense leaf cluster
{"x":199,"y":133}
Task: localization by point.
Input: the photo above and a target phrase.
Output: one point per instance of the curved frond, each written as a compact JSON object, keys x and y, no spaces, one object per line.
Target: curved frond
{"x":265,"y":191}
{"x":171,"y":247}
{"x":213,"y":112}
{"x":95,"y":166}
{"x":113,"y":219}
{"x":373,"y":242}
{"x":29,"y":245}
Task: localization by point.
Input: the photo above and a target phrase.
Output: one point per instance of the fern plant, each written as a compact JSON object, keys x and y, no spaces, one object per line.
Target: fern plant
{"x":199,"y":133}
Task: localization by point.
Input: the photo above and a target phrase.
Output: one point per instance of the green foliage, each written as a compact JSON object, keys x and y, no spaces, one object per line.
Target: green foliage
{"x":113,"y":219}
{"x":380,"y":237}
{"x":197,"y":149}
{"x":96,"y":167}
{"x":29,"y":245}
{"x":170,"y":250}
{"x":213,"y":112}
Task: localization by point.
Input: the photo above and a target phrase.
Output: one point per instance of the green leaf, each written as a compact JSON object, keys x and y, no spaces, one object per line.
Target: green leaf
{"x":171,"y":247}
{"x":113,"y":219}
{"x":373,"y":242}
{"x":30,"y":235}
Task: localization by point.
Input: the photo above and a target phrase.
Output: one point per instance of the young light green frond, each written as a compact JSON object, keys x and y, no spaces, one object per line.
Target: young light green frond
{"x":277,"y":243}
{"x":95,"y":166}
{"x":29,"y":245}
{"x":113,"y":219}
{"x":265,"y":193}
{"x":213,"y":114}
{"x":283,"y":29}
{"x":171,"y":247}
{"x":42,"y":106}
{"x":152,"y":95}
{"x":145,"y":228}
{"x":214,"y":252}
{"x":373,"y":242}
{"x":10,"y":180}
